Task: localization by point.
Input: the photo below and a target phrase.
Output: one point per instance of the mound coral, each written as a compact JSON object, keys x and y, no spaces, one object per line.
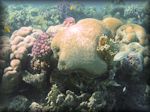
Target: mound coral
{"x":112,"y":24}
{"x":76,"y":47}
{"x":131,"y":33}
{"x":126,"y":49}
{"x":131,"y":57}
{"x":21,"y":42}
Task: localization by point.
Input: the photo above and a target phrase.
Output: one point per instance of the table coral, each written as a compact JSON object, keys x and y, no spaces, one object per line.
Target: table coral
{"x":76,"y":47}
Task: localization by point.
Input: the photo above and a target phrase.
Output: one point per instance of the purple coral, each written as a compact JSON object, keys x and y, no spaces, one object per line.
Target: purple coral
{"x":41,"y":46}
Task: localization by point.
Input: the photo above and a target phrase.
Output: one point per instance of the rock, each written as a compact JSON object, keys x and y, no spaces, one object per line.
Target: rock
{"x":76,"y":47}
{"x":10,"y":80}
{"x":4,"y":48}
{"x":5,"y":52}
{"x":36,"y":80}
{"x":19,"y":103}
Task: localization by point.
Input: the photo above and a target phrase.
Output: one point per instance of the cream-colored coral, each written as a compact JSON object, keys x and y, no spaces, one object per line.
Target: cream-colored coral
{"x":112,"y":24}
{"x":15,"y":63}
{"x":52,"y":30}
{"x":75,"y":47}
{"x":131,"y":33}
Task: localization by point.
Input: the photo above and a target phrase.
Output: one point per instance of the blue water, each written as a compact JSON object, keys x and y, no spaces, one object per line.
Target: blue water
{"x":98,"y":4}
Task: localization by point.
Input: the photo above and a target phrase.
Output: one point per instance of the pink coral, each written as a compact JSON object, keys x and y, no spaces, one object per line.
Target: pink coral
{"x":41,"y":46}
{"x":69,"y":21}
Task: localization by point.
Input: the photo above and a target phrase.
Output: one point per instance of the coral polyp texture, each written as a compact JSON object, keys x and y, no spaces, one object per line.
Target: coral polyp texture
{"x":41,"y":46}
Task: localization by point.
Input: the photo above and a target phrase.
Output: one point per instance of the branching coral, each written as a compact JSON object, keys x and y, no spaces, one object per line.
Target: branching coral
{"x":41,"y":46}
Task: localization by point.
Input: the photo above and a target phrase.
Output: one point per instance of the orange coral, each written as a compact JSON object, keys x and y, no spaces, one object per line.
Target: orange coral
{"x":112,"y":24}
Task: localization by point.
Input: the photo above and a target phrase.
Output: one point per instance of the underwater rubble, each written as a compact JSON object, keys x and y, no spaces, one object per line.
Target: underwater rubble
{"x":75,"y":64}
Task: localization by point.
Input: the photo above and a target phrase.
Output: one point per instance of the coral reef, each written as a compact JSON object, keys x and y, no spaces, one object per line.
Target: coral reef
{"x":4,"y":53}
{"x":21,"y":43}
{"x":133,"y":61}
{"x":131,"y":33}
{"x":19,"y":103}
{"x":107,"y":48}
{"x":133,"y":11}
{"x":80,"y":43}
{"x":112,"y":24}
{"x":41,"y":46}
{"x":71,"y":101}
{"x":75,"y":57}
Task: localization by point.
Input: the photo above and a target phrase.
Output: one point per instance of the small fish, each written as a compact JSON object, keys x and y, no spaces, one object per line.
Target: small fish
{"x":72,"y":7}
{"x":124,"y":89}
{"x":7,"y":28}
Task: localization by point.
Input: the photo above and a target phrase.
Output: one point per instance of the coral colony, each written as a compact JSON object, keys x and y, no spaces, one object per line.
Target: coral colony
{"x":75,"y":58}
{"x":41,"y":46}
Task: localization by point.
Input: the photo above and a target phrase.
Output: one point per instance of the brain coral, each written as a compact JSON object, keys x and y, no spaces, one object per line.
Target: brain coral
{"x":75,"y":47}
